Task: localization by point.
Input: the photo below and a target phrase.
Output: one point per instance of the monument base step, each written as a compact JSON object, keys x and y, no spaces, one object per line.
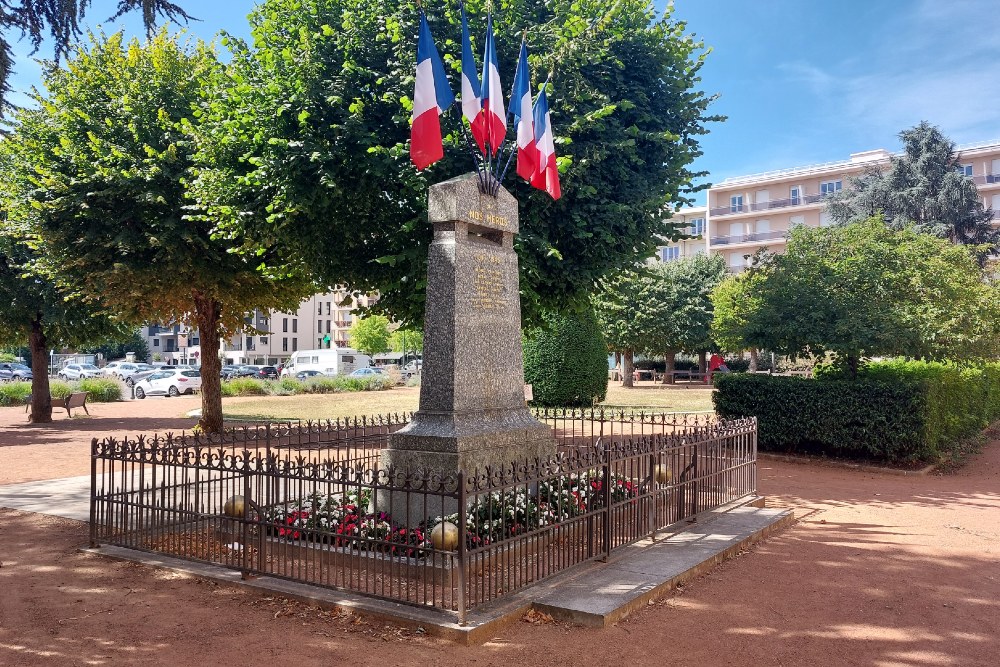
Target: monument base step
{"x":596,"y":594}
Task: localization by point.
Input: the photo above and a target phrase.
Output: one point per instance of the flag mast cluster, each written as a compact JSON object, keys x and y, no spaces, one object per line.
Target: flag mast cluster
{"x":483,"y":114}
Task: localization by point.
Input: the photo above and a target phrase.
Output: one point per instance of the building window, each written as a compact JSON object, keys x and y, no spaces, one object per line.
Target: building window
{"x":328,"y":324}
{"x":295,"y":344}
{"x":829,"y":187}
{"x":795,"y":195}
{"x":670,"y":253}
{"x":319,"y":343}
{"x":263,"y":340}
{"x":327,"y":307}
{"x":156,"y":342}
{"x":697,"y":227}
{"x":284,"y":325}
{"x":796,"y":221}
{"x":319,"y":307}
{"x":736,"y":203}
{"x":319,"y":326}
{"x":195,"y":340}
{"x":295,"y":326}
{"x":964,"y":169}
{"x":284,"y":345}
{"x":250,"y":342}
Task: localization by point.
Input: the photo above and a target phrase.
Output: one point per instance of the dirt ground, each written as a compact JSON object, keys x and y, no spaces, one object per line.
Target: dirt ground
{"x":880,"y":570}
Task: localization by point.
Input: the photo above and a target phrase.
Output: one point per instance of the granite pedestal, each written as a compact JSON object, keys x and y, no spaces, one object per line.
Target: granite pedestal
{"x":472,"y":411}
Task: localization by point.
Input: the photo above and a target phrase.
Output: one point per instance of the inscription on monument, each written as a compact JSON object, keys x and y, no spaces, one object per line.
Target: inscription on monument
{"x":487,"y":283}
{"x":491,"y":218}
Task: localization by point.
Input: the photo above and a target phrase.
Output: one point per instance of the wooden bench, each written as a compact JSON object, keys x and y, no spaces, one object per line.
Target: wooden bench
{"x":74,"y":400}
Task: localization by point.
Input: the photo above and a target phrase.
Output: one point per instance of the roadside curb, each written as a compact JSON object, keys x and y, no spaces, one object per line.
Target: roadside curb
{"x":804,"y":459}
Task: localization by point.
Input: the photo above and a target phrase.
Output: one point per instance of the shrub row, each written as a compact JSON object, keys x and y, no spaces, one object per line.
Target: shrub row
{"x":895,"y":411}
{"x":290,"y":386}
{"x":101,"y":391}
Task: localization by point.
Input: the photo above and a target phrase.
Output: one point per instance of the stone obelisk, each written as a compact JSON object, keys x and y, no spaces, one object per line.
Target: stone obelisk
{"x":472,"y":410}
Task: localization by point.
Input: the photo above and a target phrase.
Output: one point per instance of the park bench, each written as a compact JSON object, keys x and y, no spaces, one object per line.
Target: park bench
{"x":75,"y":400}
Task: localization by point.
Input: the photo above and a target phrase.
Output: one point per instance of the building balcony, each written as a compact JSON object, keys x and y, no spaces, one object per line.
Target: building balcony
{"x":767,"y":205}
{"x":749,"y":238}
{"x":987,"y":179}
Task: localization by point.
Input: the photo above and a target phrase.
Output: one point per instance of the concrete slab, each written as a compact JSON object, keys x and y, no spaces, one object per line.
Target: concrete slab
{"x":68,"y":498}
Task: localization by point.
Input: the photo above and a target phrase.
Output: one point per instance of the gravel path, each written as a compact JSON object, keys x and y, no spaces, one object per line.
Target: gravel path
{"x":880,"y":570}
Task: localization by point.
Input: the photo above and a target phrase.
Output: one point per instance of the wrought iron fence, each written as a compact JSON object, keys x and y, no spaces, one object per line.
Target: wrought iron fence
{"x":310,"y":503}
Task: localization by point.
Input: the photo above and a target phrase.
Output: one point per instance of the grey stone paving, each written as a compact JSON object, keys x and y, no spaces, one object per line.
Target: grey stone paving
{"x":68,"y":497}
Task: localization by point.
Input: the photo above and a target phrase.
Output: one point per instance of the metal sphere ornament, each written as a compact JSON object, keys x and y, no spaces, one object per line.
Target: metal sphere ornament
{"x":234,"y":507}
{"x":663,"y":474}
{"x":444,"y":536}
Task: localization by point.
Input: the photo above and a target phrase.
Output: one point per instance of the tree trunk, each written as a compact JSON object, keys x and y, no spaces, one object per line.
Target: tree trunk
{"x":627,"y":369}
{"x":703,"y":364}
{"x":41,"y":398}
{"x":618,"y":360}
{"x":753,"y":360}
{"x":668,"y":372}
{"x":852,"y":366}
{"x":208,"y":311}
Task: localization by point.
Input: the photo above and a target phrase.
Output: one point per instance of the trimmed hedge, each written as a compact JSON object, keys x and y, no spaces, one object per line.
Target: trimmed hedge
{"x":100,"y":390}
{"x":566,"y":361}
{"x":316,"y":385}
{"x":895,"y":411}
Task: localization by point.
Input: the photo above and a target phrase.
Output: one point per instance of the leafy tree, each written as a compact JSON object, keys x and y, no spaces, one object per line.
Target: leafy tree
{"x":103,"y":164}
{"x":737,"y":303}
{"x":615,"y":306}
{"x":117,"y":348}
{"x":566,"y":360}
{"x":922,"y":188}
{"x":675,"y":307}
{"x":406,"y":340}
{"x":309,"y":139}
{"x":370,"y":334}
{"x":36,"y":310}
{"x":60,"y":20}
{"x":863,"y":290}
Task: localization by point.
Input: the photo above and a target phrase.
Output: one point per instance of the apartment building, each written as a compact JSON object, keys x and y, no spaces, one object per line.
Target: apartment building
{"x":321,"y":321}
{"x":746,"y":213}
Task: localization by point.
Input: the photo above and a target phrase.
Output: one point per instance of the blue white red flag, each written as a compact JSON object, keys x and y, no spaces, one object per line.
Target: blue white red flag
{"x":472,"y":103}
{"x":546,"y":176}
{"x":520,"y":108}
{"x":431,"y":96}
{"x":490,"y":126}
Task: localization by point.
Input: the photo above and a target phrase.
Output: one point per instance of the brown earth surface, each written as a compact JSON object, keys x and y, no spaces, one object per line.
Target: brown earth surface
{"x":880,"y":570}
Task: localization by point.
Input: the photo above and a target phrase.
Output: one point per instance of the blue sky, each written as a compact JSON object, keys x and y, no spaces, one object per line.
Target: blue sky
{"x":801,"y":81}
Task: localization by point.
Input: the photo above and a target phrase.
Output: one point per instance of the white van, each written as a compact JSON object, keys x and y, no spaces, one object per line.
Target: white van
{"x":333,"y":361}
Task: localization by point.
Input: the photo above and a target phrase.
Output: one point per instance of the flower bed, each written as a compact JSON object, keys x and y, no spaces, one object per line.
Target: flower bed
{"x":494,"y":517}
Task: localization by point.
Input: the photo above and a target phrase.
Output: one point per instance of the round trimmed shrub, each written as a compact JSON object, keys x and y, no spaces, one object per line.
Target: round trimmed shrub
{"x":566,"y":361}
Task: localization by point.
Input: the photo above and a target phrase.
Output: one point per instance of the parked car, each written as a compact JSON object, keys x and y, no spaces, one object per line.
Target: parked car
{"x":267,"y":373}
{"x":111,"y":370}
{"x":305,"y":375}
{"x":366,"y":373}
{"x":169,"y":382}
{"x":121,"y":369}
{"x":131,"y":380}
{"x":14,"y":372}
{"x":79,"y":372}
{"x":128,"y":373}
{"x":228,"y":371}
{"x":242,"y":371}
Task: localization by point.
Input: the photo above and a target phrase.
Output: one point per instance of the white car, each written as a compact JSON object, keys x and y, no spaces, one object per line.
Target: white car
{"x":171,"y":382}
{"x":79,"y":372}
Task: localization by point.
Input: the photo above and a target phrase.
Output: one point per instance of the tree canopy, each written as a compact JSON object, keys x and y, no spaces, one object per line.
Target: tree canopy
{"x":922,"y":188}
{"x":370,"y":335}
{"x":307,"y":140}
{"x":104,"y":163}
{"x":60,"y":20}
{"x":863,"y":290}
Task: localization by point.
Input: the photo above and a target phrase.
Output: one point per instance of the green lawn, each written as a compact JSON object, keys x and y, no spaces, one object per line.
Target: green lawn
{"x":405,"y":399}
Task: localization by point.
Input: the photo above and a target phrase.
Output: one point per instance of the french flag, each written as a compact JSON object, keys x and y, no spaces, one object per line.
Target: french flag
{"x":546,"y":176}
{"x":472,"y":102}
{"x":520,"y":108}
{"x":490,"y":126}
{"x":432,"y":95}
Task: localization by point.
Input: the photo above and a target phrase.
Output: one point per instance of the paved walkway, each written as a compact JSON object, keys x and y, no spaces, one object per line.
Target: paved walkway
{"x":68,"y":498}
